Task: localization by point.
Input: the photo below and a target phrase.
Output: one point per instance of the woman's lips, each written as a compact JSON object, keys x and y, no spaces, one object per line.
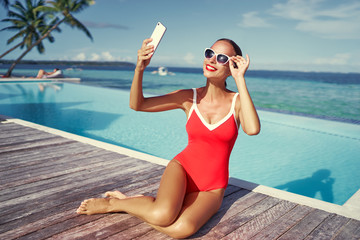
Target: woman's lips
{"x":210,"y":68}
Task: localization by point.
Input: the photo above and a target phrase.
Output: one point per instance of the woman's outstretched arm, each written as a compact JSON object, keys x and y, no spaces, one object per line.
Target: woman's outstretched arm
{"x":138,"y":102}
{"x":143,"y":60}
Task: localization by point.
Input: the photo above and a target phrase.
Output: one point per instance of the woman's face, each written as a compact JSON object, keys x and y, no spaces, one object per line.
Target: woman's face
{"x":213,"y":69}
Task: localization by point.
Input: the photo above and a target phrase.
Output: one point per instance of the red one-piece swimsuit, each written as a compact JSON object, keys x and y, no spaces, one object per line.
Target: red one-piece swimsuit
{"x":206,"y":157}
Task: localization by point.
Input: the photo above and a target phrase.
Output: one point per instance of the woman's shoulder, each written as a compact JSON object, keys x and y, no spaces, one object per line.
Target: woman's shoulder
{"x":183,"y":92}
{"x":185,"y":98}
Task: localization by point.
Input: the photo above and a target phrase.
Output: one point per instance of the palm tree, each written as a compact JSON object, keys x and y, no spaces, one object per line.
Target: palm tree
{"x":5,"y":3}
{"x":31,"y":25}
{"x":66,"y":8}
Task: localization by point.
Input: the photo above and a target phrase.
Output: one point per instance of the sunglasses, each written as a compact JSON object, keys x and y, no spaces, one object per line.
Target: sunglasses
{"x":220,"y":58}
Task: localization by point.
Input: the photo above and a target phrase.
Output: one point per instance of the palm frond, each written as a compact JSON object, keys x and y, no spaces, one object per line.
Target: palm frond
{"x":11,"y":28}
{"x":12,"y":14}
{"x":73,"y":22}
{"x":5,"y":3}
{"x":16,"y":36}
{"x":18,"y":5}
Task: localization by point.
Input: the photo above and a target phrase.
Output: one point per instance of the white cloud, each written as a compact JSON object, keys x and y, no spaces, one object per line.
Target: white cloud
{"x":314,"y":16}
{"x":103,"y":56}
{"x":332,"y":29}
{"x":252,"y":19}
{"x":107,"y":56}
{"x":337,"y":59}
{"x":302,"y":10}
{"x":95,"y":57}
{"x":189,"y":58}
{"x":80,"y":57}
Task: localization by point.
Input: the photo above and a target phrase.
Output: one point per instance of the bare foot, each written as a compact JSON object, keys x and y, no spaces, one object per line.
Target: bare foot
{"x":94,"y":206}
{"x":115,"y":194}
{"x":119,"y":195}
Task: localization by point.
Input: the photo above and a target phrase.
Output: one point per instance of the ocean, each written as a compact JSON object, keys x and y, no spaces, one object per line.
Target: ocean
{"x":331,"y":96}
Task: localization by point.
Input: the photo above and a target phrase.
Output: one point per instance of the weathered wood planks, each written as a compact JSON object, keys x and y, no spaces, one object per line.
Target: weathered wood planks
{"x":44,"y":177}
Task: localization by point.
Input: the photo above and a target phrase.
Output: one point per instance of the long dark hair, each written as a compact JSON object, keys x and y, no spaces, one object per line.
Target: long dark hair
{"x":235,"y":46}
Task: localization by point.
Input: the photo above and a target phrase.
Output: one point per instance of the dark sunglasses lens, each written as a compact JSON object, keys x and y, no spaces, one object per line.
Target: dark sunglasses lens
{"x":222,"y":59}
{"x":209,"y":53}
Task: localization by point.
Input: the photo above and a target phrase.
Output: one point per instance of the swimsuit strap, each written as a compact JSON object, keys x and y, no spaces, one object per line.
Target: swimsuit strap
{"x":194,"y":96}
{"x":232,"y":104}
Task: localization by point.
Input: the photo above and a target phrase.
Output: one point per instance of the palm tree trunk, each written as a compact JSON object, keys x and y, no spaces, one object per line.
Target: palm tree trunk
{"x":11,"y":49}
{"x":8,"y":74}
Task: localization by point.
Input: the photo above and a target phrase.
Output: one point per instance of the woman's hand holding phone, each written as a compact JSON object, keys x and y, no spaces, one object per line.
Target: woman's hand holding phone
{"x":157,"y":34}
{"x":149,"y":46}
{"x":144,"y":54}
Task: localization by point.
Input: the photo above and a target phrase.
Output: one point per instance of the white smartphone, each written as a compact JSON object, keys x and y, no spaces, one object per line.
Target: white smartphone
{"x":157,"y":34}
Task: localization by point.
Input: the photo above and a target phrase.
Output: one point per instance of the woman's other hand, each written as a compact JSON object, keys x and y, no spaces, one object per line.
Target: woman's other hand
{"x":242,"y":66}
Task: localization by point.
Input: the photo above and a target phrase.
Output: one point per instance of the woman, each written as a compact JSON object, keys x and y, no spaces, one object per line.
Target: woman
{"x":193,"y":184}
{"x":56,"y":73}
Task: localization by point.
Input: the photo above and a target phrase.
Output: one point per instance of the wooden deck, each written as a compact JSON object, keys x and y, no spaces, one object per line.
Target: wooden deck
{"x":44,"y":177}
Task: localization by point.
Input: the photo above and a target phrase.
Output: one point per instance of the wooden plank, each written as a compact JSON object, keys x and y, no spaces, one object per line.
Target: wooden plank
{"x":245,"y":206}
{"x":226,"y":227}
{"x":132,"y":232}
{"x":54,"y":153}
{"x":58,"y":221}
{"x":45,"y":224}
{"x":103,"y":227}
{"x":351,"y":231}
{"x":15,"y":130}
{"x":15,"y":191}
{"x":46,"y":200}
{"x":19,"y":197}
{"x":47,"y":172}
{"x":154,"y":234}
{"x":50,"y":151}
{"x":232,"y":203}
{"x":54,"y":220}
{"x":281,"y":225}
{"x":49,"y":176}
{"x":10,"y":126}
{"x":61,"y":162}
{"x":66,"y":157}
{"x":35,"y":144}
{"x":98,"y":165}
{"x":328,"y":228}
{"x":7,"y":134}
{"x":254,"y":226}
{"x":306,"y":225}
{"x":24,"y":138}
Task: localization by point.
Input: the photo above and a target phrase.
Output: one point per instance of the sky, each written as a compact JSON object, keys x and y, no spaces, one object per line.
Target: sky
{"x":288,"y":35}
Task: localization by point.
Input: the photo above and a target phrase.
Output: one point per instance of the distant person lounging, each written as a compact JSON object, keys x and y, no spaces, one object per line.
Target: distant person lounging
{"x":193,"y":184}
{"x":56,"y":73}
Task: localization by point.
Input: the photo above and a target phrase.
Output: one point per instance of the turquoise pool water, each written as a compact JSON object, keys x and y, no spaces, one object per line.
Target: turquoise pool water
{"x":314,"y":157}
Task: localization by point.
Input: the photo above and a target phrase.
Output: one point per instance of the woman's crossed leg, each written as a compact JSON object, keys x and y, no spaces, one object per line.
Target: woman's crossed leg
{"x":171,"y":212}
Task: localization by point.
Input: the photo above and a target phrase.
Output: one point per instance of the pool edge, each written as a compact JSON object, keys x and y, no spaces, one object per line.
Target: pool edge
{"x":350,"y":209}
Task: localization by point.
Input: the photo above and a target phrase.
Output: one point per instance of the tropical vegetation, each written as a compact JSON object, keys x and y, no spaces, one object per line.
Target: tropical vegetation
{"x":45,"y":18}
{"x":29,"y":25}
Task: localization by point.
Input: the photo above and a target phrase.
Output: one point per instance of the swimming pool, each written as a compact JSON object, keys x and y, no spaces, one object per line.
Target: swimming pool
{"x":314,"y":157}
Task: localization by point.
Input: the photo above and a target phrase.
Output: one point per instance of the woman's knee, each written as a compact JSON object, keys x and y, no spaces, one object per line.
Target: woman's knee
{"x":183,"y":228}
{"x":163,"y":216}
